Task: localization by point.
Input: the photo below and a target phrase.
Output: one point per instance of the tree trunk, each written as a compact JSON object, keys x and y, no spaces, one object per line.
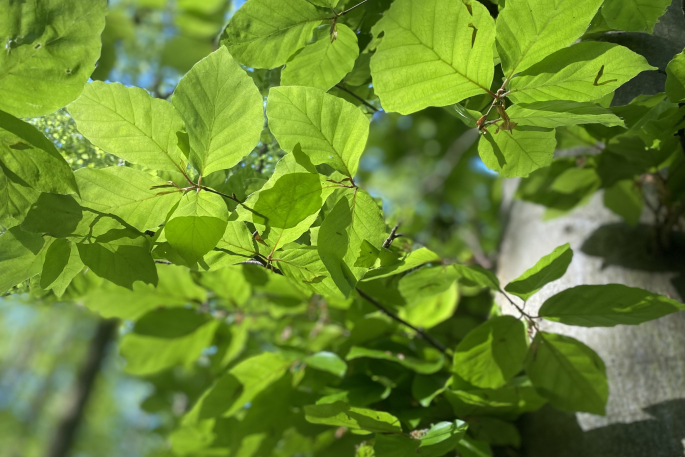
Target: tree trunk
{"x":645,"y":364}
{"x":61,"y":443}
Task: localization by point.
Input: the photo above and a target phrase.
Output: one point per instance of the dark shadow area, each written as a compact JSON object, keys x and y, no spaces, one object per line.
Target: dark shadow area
{"x":633,"y":248}
{"x":553,"y":433}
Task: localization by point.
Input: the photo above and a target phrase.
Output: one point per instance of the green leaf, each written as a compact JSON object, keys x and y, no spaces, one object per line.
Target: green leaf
{"x":469,"y":447}
{"x":584,"y":72}
{"x":493,"y":353}
{"x":496,"y":432}
{"x":127,"y":193}
{"x":324,"y":63}
{"x":440,"y":439}
{"x":476,"y":275}
{"x":634,"y":15}
{"x":607,"y":306}
{"x":223,"y":112}
{"x":32,"y":158}
{"x":50,"y":53}
{"x":426,"y":282}
{"x":146,"y":354}
{"x":431,"y":310}
{"x":131,"y":124}
{"x":21,"y":257}
{"x":675,"y":79}
{"x":425,"y":388}
{"x":265,"y":33}
{"x":519,"y":152}
{"x":292,"y":199}
{"x":558,"y":113}
{"x":434,"y":53}
{"x":420,"y":366}
{"x":56,"y":215}
{"x":174,"y":289}
{"x":508,"y":402}
{"x":625,"y":199}
{"x":16,"y":197}
{"x":568,"y":373}
{"x":121,"y":256}
{"x":62,"y":264}
{"x":327,"y":361}
{"x":414,"y":259}
{"x":530,"y":30}
{"x":549,"y":268}
{"x":305,"y":266}
{"x":355,"y":218}
{"x":329,"y":129}
{"x":341,"y":414}
{"x":197,"y":225}
{"x":240,"y":385}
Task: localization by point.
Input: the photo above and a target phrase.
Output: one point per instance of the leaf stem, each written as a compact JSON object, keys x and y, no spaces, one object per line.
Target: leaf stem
{"x":352,"y":8}
{"x":367,"y":104}
{"x":524,"y":314}
{"x":423,"y":335}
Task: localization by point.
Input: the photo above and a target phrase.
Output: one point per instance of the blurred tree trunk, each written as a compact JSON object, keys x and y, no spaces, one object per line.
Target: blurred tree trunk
{"x":645,"y":364}
{"x":68,"y":423}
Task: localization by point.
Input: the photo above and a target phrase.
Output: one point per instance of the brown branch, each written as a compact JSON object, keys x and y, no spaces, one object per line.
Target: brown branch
{"x":367,"y":104}
{"x":393,"y":235}
{"x":423,"y":335}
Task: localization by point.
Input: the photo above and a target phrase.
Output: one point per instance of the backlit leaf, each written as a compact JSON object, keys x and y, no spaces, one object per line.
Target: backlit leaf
{"x":634,"y":15}
{"x":675,"y":79}
{"x":340,"y":414}
{"x":518,"y":152}
{"x":549,"y":268}
{"x":558,"y":113}
{"x":433,"y":53}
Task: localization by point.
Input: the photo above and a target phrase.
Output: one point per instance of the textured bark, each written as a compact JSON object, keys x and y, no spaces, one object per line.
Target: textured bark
{"x":646,"y":363}
{"x":61,"y":443}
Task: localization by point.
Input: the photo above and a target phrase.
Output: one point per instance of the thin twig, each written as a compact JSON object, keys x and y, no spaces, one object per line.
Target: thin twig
{"x":423,"y":335}
{"x":350,"y":9}
{"x":528,"y":317}
{"x":162,"y":262}
{"x":393,"y":235}
{"x":230,"y":197}
{"x":367,"y":104}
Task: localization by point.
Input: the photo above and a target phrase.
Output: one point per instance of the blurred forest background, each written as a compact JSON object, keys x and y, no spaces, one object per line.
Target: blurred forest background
{"x":427,"y":172}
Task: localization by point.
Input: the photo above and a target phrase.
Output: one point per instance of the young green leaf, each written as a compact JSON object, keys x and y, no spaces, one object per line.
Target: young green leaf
{"x":420,"y":366}
{"x":530,"y":30}
{"x":625,"y":199}
{"x":341,"y":414}
{"x":607,"y":306}
{"x":121,"y":256}
{"x":223,"y":112}
{"x":197,"y":225}
{"x":434,"y":53}
{"x":634,"y":15}
{"x":324,"y":63}
{"x":327,"y":361}
{"x":50,"y":53}
{"x":355,"y":218}
{"x":584,"y":72}
{"x":240,"y":385}
{"x":675,"y":79}
{"x":62,"y":264}
{"x":148,"y":354}
{"x":265,"y":33}
{"x":55,"y":215}
{"x":175,"y":288}
{"x":292,"y":199}
{"x":558,"y":113}
{"x":492,"y":353}
{"x":414,"y":259}
{"x":426,"y":282}
{"x":519,"y":152}
{"x":440,"y":439}
{"x":305,"y":266}
{"x":549,"y":268}
{"x":21,"y":256}
{"x":508,"y":402}
{"x":131,"y":124}
{"x":127,"y":193}
{"x":429,"y":311}
{"x":329,"y":129}
{"x":16,"y":197}
{"x":32,"y":158}
{"x":476,"y":275}
{"x":568,"y":373}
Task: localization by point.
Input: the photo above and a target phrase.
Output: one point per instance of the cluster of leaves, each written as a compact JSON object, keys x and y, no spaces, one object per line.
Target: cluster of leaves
{"x":312,"y":324}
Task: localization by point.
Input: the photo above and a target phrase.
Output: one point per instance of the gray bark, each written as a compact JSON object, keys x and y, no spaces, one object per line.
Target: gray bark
{"x":645,"y":364}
